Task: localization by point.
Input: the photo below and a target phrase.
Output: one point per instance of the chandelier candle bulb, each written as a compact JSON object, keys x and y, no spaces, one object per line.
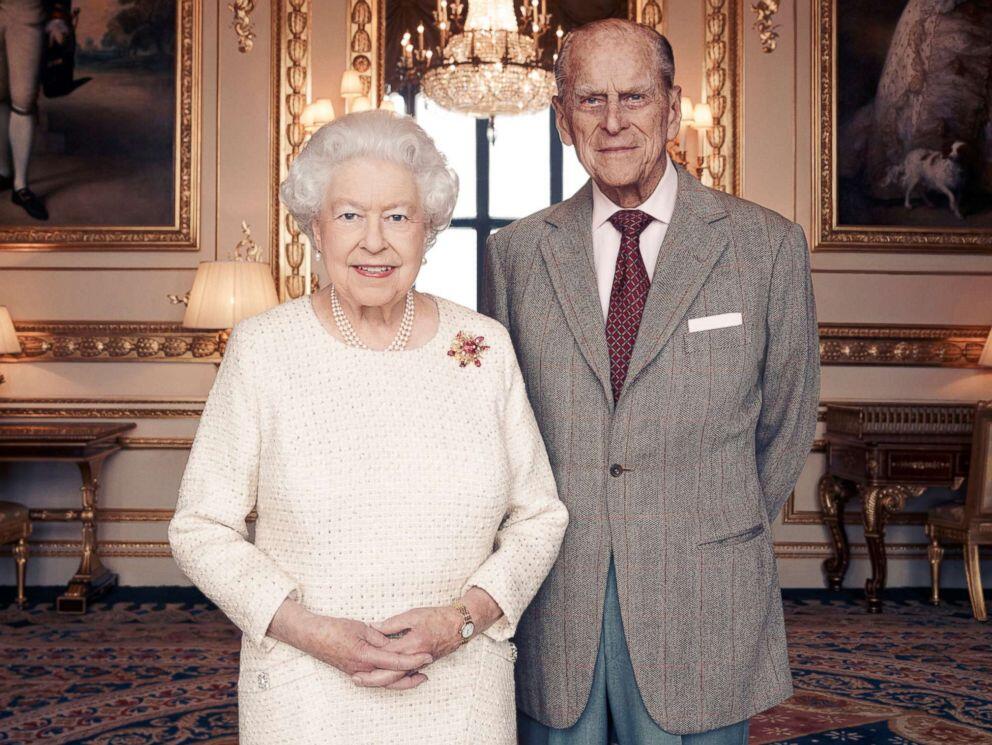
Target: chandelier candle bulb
{"x":420,"y":37}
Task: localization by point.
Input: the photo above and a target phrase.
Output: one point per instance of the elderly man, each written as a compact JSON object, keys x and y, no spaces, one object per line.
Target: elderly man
{"x":668,"y":340}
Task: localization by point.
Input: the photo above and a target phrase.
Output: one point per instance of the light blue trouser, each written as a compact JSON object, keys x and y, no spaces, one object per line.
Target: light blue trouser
{"x":615,"y":695}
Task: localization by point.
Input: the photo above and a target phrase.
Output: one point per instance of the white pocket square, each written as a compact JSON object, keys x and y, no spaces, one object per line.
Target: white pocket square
{"x":708,"y":323}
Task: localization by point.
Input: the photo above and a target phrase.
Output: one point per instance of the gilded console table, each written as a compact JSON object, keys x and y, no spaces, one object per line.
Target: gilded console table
{"x":884,"y":454}
{"x":88,"y":446}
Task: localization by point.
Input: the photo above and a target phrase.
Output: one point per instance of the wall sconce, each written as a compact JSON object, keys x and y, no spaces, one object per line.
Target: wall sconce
{"x":702,"y":120}
{"x":361,"y":103}
{"x":351,"y":89}
{"x":316,"y":114}
{"x":677,"y":148}
{"x":224,"y":292}
{"x":9,"y":343}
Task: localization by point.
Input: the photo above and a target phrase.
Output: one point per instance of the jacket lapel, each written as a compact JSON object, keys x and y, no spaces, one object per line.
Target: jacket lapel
{"x":568,"y":256}
{"x":692,"y":246}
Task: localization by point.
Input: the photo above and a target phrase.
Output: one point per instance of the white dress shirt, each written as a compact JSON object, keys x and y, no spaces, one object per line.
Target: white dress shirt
{"x":606,"y":238}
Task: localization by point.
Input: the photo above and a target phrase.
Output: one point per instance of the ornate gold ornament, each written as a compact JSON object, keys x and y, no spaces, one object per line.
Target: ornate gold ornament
{"x":244,"y":27}
{"x":911,"y":346}
{"x":649,"y":12}
{"x":723,"y":85}
{"x":91,"y":341}
{"x":291,"y":50}
{"x":765,"y":24}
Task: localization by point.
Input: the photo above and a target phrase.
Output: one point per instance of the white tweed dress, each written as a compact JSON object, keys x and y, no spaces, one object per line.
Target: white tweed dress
{"x":382,"y":481}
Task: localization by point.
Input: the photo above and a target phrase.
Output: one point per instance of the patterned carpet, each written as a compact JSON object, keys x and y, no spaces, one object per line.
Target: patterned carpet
{"x":137,"y":670}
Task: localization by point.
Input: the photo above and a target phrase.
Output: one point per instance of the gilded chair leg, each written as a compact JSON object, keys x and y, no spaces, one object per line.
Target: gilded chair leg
{"x":21,"y":559}
{"x":974,"y":574}
{"x":936,"y":554}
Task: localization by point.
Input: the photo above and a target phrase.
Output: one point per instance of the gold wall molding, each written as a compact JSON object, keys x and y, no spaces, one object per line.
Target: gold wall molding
{"x":823,"y":550}
{"x":124,"y":341}
{"x":765,"y":25}
{"x":160,"y":549}
{"x":183,"y":234}
{"x":113,"y":341}
{"x":902,"y":345}
{"x":723,"y":80}
{"x":156,"y":443}
{"x":99,"y":408}
{"x":367,"y":46}
{"x":290,"y":93}
{"x":243,"y":25}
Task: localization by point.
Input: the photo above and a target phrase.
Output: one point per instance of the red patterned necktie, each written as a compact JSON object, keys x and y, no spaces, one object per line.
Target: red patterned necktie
{"x":628,"y":296}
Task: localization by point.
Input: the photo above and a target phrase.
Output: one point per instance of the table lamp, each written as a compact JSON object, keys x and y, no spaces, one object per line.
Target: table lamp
{"x":224,"y":292}
{"x":9,"y":343}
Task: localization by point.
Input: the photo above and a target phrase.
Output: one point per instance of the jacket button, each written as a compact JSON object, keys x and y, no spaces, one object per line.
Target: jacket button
{"x":616,"y":470}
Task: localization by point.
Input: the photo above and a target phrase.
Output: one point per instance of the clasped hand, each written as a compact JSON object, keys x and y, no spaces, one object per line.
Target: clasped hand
{"x":421,"y":631}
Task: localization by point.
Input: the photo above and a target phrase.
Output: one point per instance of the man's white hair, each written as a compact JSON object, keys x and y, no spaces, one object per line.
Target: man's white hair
{"x":380,"y":135}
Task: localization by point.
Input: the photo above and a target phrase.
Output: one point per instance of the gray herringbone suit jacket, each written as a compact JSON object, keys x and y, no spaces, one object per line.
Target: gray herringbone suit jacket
{"x":712,"y":430}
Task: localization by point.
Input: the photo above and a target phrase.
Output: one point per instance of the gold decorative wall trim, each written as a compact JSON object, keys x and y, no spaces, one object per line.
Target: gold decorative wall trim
{"x":243,"y":25}
{"x":122,"y":341}
{"x":823,"y":550}
{"x":160,"y":549}
{"x":98,"y":408}
{"x":72,"y":549}
{"x":723,"y":81}
{"x":113,"y":341}
{"x":902,"y":345}
{"x":765,"y":25}
{"x":367,"y":46}
{"x":290,"y":93}
{"x":156,"y":443}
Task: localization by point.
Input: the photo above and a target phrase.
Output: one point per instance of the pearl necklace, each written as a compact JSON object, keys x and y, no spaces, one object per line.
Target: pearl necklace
{"x":351,"y":338}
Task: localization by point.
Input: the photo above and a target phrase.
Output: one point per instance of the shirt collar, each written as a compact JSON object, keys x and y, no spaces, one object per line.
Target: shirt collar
{"x":660,"y":205}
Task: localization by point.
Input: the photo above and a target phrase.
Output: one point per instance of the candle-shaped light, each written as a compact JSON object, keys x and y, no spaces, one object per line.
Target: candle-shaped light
{"x":560,"y":33}
{"x":544,"y":11}
{"x":420,"y":37}
{"x":687,"y":110}
{"x":702,"y":120}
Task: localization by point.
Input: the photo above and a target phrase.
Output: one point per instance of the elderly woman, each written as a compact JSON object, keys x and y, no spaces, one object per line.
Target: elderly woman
{"x":406,"y":509}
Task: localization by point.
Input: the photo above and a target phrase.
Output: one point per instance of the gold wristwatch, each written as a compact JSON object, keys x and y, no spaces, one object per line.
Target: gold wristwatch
{"x":468,"y":625}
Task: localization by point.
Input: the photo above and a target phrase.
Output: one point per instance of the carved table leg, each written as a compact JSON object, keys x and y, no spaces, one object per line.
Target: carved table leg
{"x":973,"y":572}
{"x":92,"y":578}
{"x":935,"y":553}
{"x":879,"y":503}
{"x":833,"y":496}
{"x":21,"y":562}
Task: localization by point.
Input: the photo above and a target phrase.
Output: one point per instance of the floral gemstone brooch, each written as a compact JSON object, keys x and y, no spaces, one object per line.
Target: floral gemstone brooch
{"x":468,"y":349}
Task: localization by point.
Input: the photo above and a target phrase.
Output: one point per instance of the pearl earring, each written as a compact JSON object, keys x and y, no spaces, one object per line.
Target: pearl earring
{"x":424,"y":262}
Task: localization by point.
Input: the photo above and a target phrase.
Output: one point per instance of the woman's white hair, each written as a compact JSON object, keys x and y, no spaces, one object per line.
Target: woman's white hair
{"x":381,"y":135}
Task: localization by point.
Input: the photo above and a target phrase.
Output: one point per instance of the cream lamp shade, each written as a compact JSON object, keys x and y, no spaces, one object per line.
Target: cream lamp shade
{"x":986,"y":359}
{"x":702,"y":116}
{"x":317,"y":113}
{"x":687,"y":111}
{"x":362,"y":103}
{"x":9,"y":343}
{"x":224,"y":292}
{"x":351,"y":84}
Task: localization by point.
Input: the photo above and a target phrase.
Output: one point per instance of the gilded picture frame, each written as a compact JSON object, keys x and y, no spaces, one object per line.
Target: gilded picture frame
{"x":876,"y":184}
{"x":180,"y":146}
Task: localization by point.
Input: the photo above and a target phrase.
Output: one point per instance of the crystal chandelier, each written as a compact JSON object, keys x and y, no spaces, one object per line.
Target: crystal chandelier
{"x":486,"y":63}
